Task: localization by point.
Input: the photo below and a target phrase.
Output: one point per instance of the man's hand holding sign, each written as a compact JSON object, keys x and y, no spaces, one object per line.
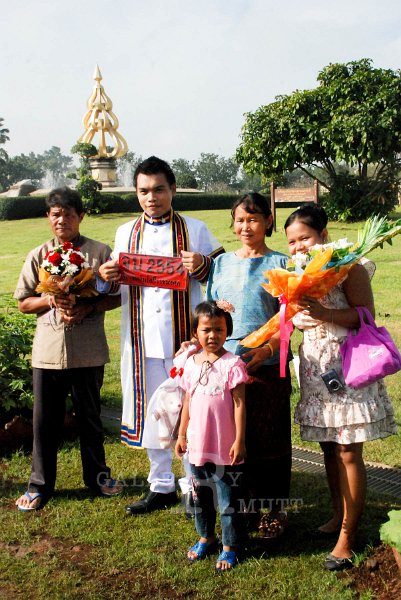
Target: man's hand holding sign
{"x":153,"y":271}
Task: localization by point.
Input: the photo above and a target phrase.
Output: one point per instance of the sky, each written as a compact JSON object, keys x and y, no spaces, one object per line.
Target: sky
{"x":181,"y":73}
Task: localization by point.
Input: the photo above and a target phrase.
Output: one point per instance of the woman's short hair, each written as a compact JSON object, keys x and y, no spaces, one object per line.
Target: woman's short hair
{"x":209,"y":308}
{"x":311,"y":215}
{"x":254,"y":203}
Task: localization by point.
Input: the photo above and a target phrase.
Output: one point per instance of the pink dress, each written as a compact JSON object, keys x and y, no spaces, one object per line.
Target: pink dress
{"x":211,"y":430}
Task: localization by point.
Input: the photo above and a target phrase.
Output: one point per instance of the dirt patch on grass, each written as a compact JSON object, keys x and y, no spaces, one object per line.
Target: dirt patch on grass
{"x":17,"y":433}
{"x":48,"y":545}
{"x":141,"y":584}
{"x":9,"y":592}
{"x":70,"y":557}
{"x":379,"y":574}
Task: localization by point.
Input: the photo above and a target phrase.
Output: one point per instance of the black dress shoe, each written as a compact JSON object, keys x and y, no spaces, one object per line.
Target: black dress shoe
{"x":335,"y":563}
{"x":188,"y":503}
{"x":152,"y":501}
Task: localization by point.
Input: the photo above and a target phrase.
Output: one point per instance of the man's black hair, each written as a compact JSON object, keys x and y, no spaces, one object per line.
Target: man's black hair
{"x":66,"y":198}
{"x":154,"y":166}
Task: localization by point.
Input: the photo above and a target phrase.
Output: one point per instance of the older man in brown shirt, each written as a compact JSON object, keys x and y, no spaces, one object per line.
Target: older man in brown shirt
{"x":68,"y":357}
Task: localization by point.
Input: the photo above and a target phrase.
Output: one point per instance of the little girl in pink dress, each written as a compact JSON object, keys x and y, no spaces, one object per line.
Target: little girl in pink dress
{"x":212,"y":429}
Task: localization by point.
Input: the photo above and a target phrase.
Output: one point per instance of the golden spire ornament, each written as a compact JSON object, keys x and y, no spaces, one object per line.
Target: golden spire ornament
{"x":100,"y":119}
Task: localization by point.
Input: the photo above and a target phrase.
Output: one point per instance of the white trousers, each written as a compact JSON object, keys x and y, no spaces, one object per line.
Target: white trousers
{"x":161,"y":477}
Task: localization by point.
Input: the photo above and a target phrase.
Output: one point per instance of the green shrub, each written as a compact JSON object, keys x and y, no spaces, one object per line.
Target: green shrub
{"x":190,"y":201}
{"x":22,"y":207}
{"x":203,"y":201}
{"x":354,"y":198}
{"x":390,"y":532}
{"x":92,"y":199}
{"x":34,"y":206}
{"x":16,"y":333}
{"x":120,"y":203}
{"x":197,"y":201}
{"x":86,"y":185}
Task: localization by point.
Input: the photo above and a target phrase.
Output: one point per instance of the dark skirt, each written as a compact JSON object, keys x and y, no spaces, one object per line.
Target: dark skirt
{"x":268,"y":433}
{"x":268,"y":413}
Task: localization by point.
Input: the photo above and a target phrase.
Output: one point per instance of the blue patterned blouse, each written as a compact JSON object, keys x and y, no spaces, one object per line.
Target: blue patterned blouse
{"x":238,"y":280}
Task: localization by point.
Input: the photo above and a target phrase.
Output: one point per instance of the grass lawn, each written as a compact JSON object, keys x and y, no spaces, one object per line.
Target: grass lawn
{"x":81,"y":546}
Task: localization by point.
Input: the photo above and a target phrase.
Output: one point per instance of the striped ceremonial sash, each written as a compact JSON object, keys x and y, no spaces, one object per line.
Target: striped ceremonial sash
{"x":181,"y":325}
{"x":180,"y":301}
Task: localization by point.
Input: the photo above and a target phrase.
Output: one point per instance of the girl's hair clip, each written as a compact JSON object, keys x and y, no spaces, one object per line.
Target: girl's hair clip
{"x":225,"y":305}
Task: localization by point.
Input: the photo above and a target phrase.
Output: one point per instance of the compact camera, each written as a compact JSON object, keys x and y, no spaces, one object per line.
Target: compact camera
{"x":332,"y":381}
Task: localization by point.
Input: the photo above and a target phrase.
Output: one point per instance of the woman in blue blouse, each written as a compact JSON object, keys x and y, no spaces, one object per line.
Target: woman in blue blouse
{"x":237,"y":277}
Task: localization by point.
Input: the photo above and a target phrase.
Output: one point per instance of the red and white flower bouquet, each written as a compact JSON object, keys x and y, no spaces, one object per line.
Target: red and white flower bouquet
{"x":65,"y":270}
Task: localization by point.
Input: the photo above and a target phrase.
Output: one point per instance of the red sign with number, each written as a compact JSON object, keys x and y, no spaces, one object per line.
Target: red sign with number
{"x":153,"y":271}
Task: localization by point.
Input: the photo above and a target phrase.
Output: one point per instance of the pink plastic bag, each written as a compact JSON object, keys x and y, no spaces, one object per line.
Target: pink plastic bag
{"x":368,"y":354}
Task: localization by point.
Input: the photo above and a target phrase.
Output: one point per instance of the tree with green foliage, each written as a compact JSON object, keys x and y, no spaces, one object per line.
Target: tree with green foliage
{"x":215,"y":173}
{"x":56,"y":163}
{"x":17,"y":168}
{"x":3,"y":138}
{"x":248,"y":182}
{"x":184,"y":172}
{"x":3,"y":154}
{"x":352,"y":119}
{"x":87,"y":186}
{"x":32,"y":166}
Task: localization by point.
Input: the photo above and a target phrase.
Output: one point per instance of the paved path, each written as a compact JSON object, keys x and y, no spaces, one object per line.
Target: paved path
{"x":381,"y":478}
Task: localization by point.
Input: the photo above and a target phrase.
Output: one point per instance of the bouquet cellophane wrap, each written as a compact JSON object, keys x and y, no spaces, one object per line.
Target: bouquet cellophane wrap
{"x":313,"y":282}
{"x":82,"y":285}
{"x":327,"y":268}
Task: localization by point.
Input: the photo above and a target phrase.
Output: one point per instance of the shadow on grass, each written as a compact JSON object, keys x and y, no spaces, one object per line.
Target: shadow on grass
{"x":81,"y":546}
{"x":130,"y":467}
{"x":310,"y":508}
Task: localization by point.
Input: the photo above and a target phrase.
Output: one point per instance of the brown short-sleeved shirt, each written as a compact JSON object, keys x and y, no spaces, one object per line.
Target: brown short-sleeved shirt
{"x":55,"y":345}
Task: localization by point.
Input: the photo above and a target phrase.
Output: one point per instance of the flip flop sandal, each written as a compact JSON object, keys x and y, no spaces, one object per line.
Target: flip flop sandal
{"x":111,"y":487}
{"x":229,"y":557}
{"x":202,"y":550}
{"x":31,"y":498}
{"x":272,"y":525}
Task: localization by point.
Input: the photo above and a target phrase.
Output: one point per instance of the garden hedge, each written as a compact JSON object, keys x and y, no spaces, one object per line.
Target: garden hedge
{"x":26,"y":207}
{"x":22,"y":207}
